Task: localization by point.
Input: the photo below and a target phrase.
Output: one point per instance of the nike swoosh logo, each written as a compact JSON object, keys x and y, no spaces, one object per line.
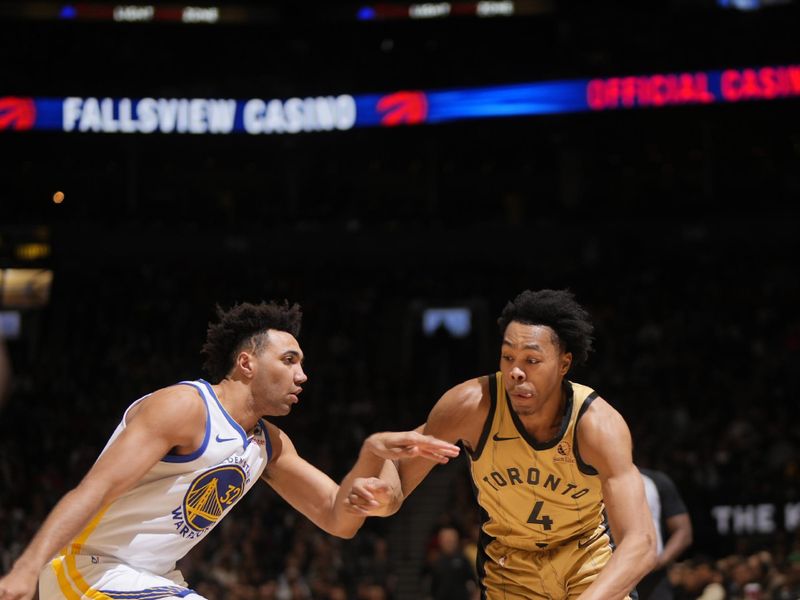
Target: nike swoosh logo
{"x":497,"y":438}
{"x":594,"y":538}
{"x":222,"y":439}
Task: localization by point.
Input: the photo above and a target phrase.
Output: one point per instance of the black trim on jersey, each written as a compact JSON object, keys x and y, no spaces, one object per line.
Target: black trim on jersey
{"x":487,"y":426}
{"x":582,"y":466}
{"x":564,"y":423}
{"x":484,"y":539}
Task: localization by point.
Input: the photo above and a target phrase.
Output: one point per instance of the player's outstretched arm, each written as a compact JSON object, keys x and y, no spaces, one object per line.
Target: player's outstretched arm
{"x":458,"y":415}
{"x":373,"y":478}
{"x":163,"y":421}
{"x":605,"y":443}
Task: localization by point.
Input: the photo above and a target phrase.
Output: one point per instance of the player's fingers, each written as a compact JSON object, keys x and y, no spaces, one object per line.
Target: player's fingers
{"x":356,"y":510}
{"x":440,"y":446}
{"x":362,"y":500}
{"x":434,"y":456}
{"x":414,"y":437}
{"x":362,"y":486}
{"x":376,"y":486}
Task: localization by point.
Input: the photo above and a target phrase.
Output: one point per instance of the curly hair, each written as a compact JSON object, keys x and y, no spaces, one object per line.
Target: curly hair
{"x":245,"y":324}
{"x":558,"y":310}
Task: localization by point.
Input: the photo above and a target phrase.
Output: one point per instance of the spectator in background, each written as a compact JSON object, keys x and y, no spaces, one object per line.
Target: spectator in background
{"x":699,"y":579}
{"x":450,"y":576}
{"x":673,"y":532}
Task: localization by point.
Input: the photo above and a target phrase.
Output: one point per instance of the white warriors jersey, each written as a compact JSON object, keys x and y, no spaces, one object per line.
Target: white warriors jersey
{"x":181,"y":498}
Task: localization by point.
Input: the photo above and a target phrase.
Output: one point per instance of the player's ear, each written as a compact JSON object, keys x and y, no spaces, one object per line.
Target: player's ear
{"x":245,"y":362}
{"x":566,"y":363}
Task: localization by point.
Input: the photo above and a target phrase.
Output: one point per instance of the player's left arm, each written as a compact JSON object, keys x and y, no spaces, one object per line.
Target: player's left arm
{"x":323,"y":501}
{"x":605,"y":443}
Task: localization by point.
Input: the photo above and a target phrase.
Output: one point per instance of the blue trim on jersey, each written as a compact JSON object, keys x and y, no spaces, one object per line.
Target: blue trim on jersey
{"x":233,"y":423}
{"x":150,"y":593}
{"x":268,"y":446}
{"x":182,"y":458}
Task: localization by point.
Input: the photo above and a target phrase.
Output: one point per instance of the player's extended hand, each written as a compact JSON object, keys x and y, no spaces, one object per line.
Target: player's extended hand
{"x":370,"y":497}
{"x":18,"y":586}
{"x":393,"y":445}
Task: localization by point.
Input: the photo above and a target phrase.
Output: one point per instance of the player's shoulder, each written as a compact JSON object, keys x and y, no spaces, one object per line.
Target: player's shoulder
{"x":599,"y":419}
{"x":279,"y":440}
{"x":179,"y":393}
{"x":581,"y":391}
{"x":174,"y":402}
{"x":461,"y":411}
{"x":468,"y":394}
{"x":275,"y":433}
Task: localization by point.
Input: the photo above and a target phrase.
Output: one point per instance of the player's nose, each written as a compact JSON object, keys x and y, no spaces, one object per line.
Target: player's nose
{"x":517,"y":374}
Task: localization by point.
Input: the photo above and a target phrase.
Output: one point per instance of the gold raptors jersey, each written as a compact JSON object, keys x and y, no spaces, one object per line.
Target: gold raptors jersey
{"x":534,"y":495}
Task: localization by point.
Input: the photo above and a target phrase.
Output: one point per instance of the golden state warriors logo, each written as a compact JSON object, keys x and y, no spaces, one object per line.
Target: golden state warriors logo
{"x":211,"y":494}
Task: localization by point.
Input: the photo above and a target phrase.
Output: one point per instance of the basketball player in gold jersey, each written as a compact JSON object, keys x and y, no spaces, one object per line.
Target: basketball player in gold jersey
{"x":550,"y":462}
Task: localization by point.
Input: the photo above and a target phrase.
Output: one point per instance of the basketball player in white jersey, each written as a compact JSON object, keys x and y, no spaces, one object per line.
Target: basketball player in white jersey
{"x":550,"y":462}
{"x":184,"y":455}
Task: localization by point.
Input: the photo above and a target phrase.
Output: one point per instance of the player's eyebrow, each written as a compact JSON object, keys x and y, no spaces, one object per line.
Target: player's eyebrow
{"x":531,"y":346}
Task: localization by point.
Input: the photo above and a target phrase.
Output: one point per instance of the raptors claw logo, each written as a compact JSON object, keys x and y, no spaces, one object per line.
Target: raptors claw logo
{"x":403,"y":108}
{"x":17,"y":113}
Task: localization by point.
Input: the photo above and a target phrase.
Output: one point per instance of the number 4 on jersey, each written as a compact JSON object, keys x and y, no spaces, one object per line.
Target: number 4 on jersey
{"x":544,"y":520}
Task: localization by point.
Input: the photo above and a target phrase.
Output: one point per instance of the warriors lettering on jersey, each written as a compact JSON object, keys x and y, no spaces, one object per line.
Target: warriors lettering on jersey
{"x":209,"y":496}
{"x":533,"y":477}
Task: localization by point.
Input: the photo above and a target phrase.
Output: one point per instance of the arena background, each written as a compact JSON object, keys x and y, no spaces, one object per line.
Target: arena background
{"x":677,"y":227}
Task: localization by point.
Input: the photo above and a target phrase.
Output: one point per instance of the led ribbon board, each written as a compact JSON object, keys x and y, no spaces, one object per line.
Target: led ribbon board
{"x":258,"y":116}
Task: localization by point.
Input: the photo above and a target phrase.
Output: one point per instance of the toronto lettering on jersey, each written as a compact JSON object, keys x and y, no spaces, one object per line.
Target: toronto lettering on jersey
{"x":532,"y":476}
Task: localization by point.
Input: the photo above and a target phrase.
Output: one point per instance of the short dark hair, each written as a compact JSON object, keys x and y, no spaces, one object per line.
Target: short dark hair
{"x":558,"y":310}
{"x":242,"y":324}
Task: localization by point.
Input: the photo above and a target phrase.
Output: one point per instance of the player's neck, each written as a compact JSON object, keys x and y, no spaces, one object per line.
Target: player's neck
{"x":236,"y":399}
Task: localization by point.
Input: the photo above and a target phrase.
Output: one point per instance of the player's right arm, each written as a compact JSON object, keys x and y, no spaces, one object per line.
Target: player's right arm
{"x":459,"y":414}
{"x":168,"y":419}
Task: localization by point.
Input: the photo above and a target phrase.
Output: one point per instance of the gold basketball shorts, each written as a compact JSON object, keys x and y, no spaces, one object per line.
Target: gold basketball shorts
{"x":559,"y":573}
